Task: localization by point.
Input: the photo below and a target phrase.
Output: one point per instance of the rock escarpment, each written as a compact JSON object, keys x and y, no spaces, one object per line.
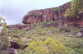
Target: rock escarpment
{"x":19,"y":26}
{"x":45,"y":15}
{"x":56,"y":14}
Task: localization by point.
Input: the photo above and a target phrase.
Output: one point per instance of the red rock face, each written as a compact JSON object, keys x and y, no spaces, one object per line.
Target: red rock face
{"x":49,"y":14}
{"x":19,"y":26}
{"x":44,"y":15}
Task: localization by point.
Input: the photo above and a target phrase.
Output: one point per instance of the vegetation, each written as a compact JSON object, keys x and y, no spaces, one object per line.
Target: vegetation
{"x":42,"y":40}
{"x":3,"y":38}
{"x":45,"y":40}
{"x":49,"y":40}
{"x":74,"y":9}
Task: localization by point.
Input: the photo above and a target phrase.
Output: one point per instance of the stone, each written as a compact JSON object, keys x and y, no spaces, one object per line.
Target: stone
{"x":79,"y":34}
{"x":45,"y":15}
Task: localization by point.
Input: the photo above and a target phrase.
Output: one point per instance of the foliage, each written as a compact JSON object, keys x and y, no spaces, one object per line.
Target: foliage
{"x":74,"y":9}
{"x":48,"y":40}
{"x":44,"y":40}
{"x":3,"y":38}
{"x":48,"y":46}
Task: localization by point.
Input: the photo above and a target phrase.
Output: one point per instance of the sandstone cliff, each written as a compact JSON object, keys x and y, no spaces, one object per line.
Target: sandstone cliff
{"x":45,"y":15}
{"x":52,"y":14}
{"x":55,"y":14}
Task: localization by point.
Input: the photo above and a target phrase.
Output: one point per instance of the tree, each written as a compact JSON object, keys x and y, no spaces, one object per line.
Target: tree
{"x":75,"y":7}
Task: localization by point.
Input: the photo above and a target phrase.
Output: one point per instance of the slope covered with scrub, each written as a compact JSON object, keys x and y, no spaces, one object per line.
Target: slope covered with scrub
{"x":45,"y":40}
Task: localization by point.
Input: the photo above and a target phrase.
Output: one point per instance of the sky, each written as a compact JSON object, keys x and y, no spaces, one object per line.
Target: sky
{"x":14,"y":10}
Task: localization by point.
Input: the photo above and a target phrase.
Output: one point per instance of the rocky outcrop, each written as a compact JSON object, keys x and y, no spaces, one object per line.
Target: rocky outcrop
{"x":20,"y":26}
{"x":55,"y":14}
{"x":45,"y":15}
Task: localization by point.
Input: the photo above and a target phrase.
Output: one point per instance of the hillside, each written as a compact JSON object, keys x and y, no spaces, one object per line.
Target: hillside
{"x":45,"y":15}
{"x":43,"y":40}
{"x":57,"y":14}
{"x":56,"y":30}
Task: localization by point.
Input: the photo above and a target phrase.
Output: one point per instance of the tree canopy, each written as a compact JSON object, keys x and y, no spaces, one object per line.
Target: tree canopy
{"x":75,"y":7}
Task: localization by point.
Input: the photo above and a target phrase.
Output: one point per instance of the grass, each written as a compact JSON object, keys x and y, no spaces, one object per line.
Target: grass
{"x":47,"y":40}
{"x":43,"y":33}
